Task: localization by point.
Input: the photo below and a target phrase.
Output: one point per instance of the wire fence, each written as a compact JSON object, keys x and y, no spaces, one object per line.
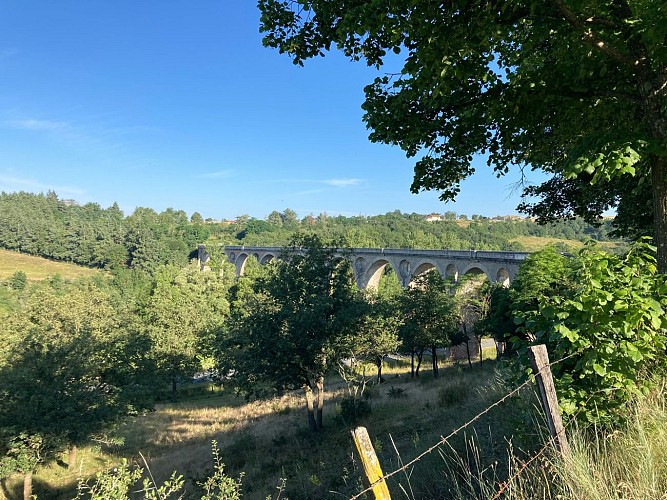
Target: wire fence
{"x":444,"y":439}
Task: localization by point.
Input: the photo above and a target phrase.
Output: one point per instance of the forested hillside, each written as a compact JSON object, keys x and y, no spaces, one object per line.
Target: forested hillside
{"x":93,"y":236}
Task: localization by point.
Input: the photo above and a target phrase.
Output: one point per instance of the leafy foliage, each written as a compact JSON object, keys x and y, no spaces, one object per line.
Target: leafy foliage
{"x":184,"y":310}
{"x":430,"y":319}
{"x":18,"y":281}
{"x":611,"y":327}
{"x":220,"y":486}
{"x":21,"y":454}
{"x":576,"y":89}
{"x":287,"y":337}
{"x":88,"y":235}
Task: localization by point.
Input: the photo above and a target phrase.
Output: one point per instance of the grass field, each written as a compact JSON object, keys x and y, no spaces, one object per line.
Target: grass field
{"x":269,"y":441}
{"x":535,"y":243}
{"x":37,"y":268}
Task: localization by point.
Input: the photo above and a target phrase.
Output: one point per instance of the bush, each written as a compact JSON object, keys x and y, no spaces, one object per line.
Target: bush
{"x":453,"y":394}
{"x":611,"y":327}
{"x":18,"y":281}
{"x":396,"y":392}
{"x":352,"y":410}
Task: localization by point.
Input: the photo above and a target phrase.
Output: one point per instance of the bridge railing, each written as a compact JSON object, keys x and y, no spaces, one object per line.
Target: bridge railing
{"x":455,"y":254}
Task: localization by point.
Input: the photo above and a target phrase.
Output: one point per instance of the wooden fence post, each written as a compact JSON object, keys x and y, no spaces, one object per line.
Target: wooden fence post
{"x":371,"y":463}
{"x":539,"y":359}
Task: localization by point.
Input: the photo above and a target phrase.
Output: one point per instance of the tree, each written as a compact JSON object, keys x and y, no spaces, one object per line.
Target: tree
{"x":21,"y":454}
{"x":288,"y":337}
{"x":69,"y":372}
{"x":500,"y":320}
{"x":275,"y":218}
{"x":576,"y":89}
{"x":472,"y":306}
{"x":542,"y":274}
{"x":289,"y":217}
{"x":196,"y":218}
{"x":430,"y":318}
{"x":377,"y":333}
{"x":18,"y":281}
{"x":186,"y":307}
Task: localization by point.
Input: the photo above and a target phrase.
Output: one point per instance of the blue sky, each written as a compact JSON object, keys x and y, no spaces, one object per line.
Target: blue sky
{"x":177,"y":104}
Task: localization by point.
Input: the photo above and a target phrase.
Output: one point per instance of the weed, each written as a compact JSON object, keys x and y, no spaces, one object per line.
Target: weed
{"x":453,"y":394}
{"x":396,"y":392}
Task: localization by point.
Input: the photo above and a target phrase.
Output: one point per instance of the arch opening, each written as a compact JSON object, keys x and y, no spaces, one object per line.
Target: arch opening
{"x":375,"y":273}
{"x":240,"y":262}
{"x":503,"y":277}
{"x":423,"y":268}
{"x":475,"y":270}
{"x":452,"y":272}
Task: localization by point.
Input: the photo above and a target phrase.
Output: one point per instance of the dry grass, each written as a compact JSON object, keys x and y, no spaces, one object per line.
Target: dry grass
{"x":268,"y":440}
{"x":536,"y":243}
{"x":37,"y":268}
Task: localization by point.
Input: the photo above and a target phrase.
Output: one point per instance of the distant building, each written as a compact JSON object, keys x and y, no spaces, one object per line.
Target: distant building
{"x":433,"y":217}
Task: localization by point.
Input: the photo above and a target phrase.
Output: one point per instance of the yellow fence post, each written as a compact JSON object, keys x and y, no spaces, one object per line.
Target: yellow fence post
{"x":371,"y":463}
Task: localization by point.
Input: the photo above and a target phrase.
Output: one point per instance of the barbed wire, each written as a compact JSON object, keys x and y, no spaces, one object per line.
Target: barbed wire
{"x":444,"y":439}
{"x":506,"y":484}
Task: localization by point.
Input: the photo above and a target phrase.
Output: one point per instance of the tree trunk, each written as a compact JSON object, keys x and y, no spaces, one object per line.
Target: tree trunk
{"x":412,"y":364}
{"x":468,"y":352}
{"x":434,"y":361}
{"x":659,"y":179}
{"x":379,"y":365}
{"x":479,"y":345}
{"x":320,"y":402}
{"x":499,"y":349}
{"x":71,"y":458}
{"x":27,"y":486}
{"x":309,"y":407}
{"x":420,"y":355}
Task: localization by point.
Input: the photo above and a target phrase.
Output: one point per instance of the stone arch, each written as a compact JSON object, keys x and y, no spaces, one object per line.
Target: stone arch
{"x":503,"y":277}
{"x":451,"y":271}
{"x":267,"y":258}
{"x":375,"y":272}
{"x":256,"y":255}
{"x":404,"y":270}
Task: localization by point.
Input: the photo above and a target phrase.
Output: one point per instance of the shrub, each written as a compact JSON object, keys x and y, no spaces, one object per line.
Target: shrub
{"x":18,"y":281}
{"x":396,"y":392}
{"x":612,"y":329}
{"x":453,"y":394}
{"x":352,"y":410}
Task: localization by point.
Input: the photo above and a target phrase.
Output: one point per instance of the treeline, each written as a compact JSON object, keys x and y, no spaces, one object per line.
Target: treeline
{"x":89,"y":235}
{"x":401,"y":230}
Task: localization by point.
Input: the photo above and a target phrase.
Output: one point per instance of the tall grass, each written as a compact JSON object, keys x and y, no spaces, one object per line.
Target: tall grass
{"x":630,"y":463}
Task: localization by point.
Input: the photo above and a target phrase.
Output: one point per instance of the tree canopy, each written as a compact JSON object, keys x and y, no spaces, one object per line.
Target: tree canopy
{"x":286,"y":335}
{"x":575,"y":89}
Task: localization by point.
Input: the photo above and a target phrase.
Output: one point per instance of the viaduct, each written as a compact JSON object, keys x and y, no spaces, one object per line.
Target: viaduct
{"x":369,"y":263}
